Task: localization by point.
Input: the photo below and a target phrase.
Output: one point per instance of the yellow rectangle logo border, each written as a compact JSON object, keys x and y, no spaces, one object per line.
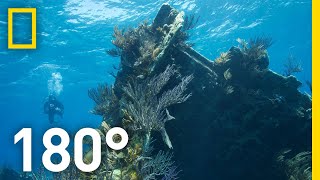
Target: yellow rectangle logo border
{"x":33,"y":44}
{"x":316,"y":90}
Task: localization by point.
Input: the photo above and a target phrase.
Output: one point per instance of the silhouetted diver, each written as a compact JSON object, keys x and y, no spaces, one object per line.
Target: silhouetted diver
{"x":52,"y":107}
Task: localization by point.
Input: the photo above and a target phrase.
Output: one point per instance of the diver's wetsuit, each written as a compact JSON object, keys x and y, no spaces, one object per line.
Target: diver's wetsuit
{"x":52,"y":106}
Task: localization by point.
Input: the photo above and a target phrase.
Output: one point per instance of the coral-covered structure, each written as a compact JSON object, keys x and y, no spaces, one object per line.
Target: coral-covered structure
{"x":240,"y":118}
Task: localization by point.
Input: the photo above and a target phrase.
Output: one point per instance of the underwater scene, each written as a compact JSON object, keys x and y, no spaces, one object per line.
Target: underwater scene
{"x":203,"y":89}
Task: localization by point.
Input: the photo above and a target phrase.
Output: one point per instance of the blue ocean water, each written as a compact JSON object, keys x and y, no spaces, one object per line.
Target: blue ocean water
{"x":73,"y":35}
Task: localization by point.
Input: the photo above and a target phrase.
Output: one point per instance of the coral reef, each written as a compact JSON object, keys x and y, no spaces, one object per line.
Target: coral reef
{"x":141,"y":109}
{"x":140,"y":100}
{"x":240,"y":116}
{"x":134,"y":50}
{"x":255,"y":52}
{"x":148,"y":107}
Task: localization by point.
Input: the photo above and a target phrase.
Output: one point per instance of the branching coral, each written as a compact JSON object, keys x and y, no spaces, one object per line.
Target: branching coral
{"x":256,"y":47}
{"x":171,"y":174}
{"x":105,"y":99}
{"x":149,"y":108}
{"x":124,"y":40}
{"x":291,"y":66}
{"x":297,"y":167}
{"x":135,"y":50}
{"x":255,"y":56}
{"x":115,"y":52}
{"x":160,"y":165}
{"x":223,"y":58}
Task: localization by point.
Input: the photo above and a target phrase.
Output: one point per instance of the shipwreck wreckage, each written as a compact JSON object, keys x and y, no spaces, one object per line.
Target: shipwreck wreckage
{"x":242,"y":121}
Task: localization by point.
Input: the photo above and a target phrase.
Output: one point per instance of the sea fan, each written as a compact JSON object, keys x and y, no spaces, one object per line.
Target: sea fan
{"x":105,"y":99}
{"x":161,"y":165}
{"x":149,"y":108}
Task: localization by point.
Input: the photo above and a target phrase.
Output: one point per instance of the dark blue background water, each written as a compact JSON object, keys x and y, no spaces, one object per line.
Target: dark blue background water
{"x":72,"y":38}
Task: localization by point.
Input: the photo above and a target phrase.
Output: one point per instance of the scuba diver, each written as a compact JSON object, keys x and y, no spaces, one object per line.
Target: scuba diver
{"x":53,"y":107}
